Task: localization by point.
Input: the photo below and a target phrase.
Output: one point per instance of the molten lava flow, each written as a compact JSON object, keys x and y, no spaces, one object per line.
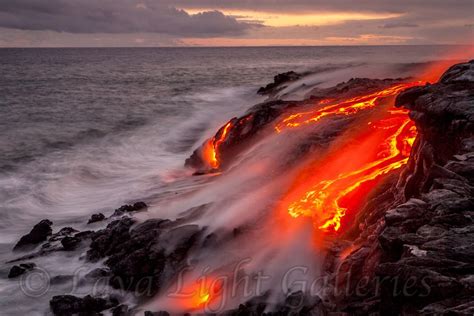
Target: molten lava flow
{"x":328,"y":187}
{"x":211,"y":148}
{"x":200,"y":294}
{"x":346,"y":107}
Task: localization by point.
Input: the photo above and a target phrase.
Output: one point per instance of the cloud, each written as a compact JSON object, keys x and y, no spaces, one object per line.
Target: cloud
{"x":212,"y":22}
{"x":278,"y":6}
{"x":369,"y":39}
{"x":395,"y":25}
{"x":26,"y":38}
{"x":302,"y":19}
{"x":116,"y":16}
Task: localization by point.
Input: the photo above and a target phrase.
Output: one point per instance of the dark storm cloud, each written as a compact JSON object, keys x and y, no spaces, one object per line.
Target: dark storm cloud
{"x":115,"y":16}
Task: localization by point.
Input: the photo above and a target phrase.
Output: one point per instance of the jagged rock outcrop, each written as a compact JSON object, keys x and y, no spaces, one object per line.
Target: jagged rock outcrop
{"x":124,"y":209}
{"x":96,"y":218}
{"x":38,"y":234}
{"x":413,"y":250}
{"x":66,"y":239}
{"x":145,"y":257}
{"x":65,"y":305}
{"x":20,"y":269}
{"x":278,"y":82}
{"x":245,"y":130}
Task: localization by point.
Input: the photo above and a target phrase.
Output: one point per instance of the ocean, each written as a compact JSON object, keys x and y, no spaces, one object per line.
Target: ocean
{"x":87,"y":130}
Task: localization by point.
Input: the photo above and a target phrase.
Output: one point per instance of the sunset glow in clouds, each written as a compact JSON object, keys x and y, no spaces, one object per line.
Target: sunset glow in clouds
{"x":295,"y":19}
{"x":232,"y":23}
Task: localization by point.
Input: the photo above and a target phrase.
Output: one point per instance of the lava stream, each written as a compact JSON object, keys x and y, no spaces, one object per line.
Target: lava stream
{"x":346,"y":107}
{"x":211,"y":149}
{"x":324,"y":186}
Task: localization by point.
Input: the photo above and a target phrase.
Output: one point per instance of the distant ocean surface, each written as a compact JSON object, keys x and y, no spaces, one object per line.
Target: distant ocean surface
{"x":87,"y":130}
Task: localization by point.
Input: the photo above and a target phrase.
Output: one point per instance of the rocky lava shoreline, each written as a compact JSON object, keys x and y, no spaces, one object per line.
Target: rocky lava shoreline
{"x":409,"y":251}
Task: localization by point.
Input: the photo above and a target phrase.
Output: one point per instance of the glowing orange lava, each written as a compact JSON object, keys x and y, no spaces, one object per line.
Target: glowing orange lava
{"x":211,"y":148}
{"x":329,"y":186}
{"x":346,"y":107}
{"x":199,"y":295}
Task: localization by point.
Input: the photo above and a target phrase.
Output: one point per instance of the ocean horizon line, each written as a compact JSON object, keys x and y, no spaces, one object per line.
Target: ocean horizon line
{"x":250,"y":46}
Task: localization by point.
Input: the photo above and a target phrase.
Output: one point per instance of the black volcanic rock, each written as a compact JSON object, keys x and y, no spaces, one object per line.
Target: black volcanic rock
{"x":20,"y":269}
{"x":144,"y":257}
{"x":55,"y":240}
{"x":70,"y":243}
{"x":160,"y":313}
{"x":38,"y":234}
{"x":67,"y":239}
{"x":64,"y":305}
{"x":155,"y":256}
{"x":136,"y":207}
{"x":106,"y":241}
{"x":98,"y":273}
{"x":459,"y":73}
{"x":122,"y":310}
{"x":278,"y":82}
{"x":421,"y":237}
{"x":63,"y":232}
{"x":96,"y":218}
{"x":244,"y":130}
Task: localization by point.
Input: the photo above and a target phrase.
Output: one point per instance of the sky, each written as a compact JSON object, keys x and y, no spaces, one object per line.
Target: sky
{"x":144,"y":23}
